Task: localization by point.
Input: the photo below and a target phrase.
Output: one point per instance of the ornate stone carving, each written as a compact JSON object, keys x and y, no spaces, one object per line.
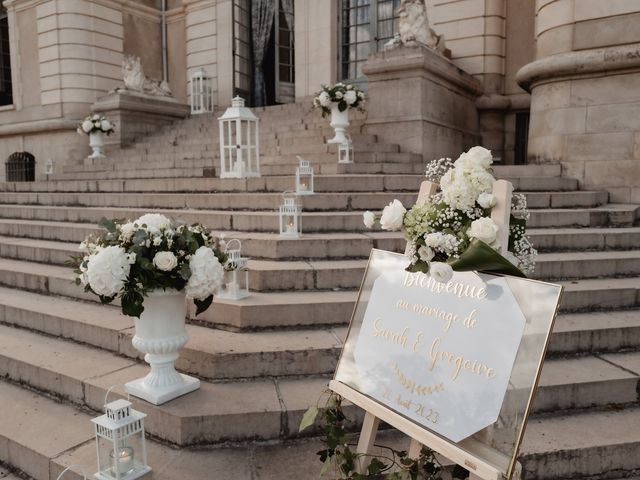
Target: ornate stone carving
{"x":136,"y":81}
{"x":414,"y":27}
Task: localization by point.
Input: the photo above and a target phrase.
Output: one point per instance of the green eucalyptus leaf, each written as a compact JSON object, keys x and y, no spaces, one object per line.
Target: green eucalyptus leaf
{"x":308,"y":418}
{"x":108,"y":225}
{"x":419,"y":266}
{"x":325,"y":466}
{"x":132,"y":304}
{"x":185,"y":271}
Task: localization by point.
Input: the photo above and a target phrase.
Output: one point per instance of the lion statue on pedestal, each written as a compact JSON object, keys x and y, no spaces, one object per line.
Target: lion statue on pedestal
{"x":414,"y":27}
{"x":136,"y":81}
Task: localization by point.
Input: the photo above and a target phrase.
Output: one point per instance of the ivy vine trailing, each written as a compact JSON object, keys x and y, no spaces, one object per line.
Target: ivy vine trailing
{"x":341,"y":462}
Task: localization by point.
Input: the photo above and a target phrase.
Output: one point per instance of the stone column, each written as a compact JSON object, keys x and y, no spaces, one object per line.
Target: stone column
{"x":421,"y":100}
{"x":585,"y":93}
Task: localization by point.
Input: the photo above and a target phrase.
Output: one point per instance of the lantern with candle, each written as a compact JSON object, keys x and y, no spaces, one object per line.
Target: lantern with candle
{"x":345,"y":151}
{"x":236,"y":275}
{"x":304,"y":178}
{"x":120,"y":442}
{"x":290,"y":216}
{"x":239,"y":142}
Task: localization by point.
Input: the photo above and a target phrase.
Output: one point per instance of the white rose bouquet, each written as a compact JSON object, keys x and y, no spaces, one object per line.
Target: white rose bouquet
{"x":453,"y":230}
{"x":346,"y":96}
{"x":96,"y":123}
{"x":150,"y":253}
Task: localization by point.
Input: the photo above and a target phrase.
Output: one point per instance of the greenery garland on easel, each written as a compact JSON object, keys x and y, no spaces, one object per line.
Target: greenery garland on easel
{"x":339,"y":458}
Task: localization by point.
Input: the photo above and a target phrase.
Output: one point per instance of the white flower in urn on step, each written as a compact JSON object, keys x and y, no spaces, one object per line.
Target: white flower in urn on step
{"x":126,"y":231}
{"x":350,"y":97}
{"x":324,"y":99}
{"x":440,"y":271}
{"x":483,"y":229}
{"x":165,"y":261}
{"x":206,"y":274}
{"x":87,"y":126}
{"x":105,"y":125}
{"x":392,"y":216}
{"x":487,"y":200}
{"x":108,"y":270}
{"x":369,"y":219}
{"x":154,"y":221}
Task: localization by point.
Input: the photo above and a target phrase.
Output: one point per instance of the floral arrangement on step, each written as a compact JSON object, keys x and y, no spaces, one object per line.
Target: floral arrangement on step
{"x":453,"y":230}
{"x":96,"y":123}
{"x":153,"y":252}
{"x":344,"y":95}
{"x":340,"y":461}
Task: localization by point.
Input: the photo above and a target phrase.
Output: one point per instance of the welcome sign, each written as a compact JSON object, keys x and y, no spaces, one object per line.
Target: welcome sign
{"x":439,"y":354}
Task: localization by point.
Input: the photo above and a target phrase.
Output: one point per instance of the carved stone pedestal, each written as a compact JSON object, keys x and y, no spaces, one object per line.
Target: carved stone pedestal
{"x":137,"y":114}
{"x":422,"y":101}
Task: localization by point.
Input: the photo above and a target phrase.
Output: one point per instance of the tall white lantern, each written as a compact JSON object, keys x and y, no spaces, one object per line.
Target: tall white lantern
{"x":304,"y":178}
{"x":236,"y":275}
{"x":345,"y":151}
{"x":290,"y":216}
{"x":120,"y":442}
{"x":201,"y":95}
{"x":239,"y":142}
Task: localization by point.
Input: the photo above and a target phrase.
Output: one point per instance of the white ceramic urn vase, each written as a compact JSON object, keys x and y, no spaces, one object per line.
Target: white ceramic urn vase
{"x":339,"y":122}
{"x":96,"y":142}
{"x":160,"y":334}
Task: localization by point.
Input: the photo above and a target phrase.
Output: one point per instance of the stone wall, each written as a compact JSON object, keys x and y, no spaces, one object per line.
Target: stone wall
{"x":585,"y":88}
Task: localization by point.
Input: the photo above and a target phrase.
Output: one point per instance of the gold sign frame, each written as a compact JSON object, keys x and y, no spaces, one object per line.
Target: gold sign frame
{"x":480,"y":457}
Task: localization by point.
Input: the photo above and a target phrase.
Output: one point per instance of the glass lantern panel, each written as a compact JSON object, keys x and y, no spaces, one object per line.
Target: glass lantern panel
{"x":289,"y":224}
{"x":245,"y":139}
{"x":124,"y":461}
{"x":306,"y":183}
{"x":236,"y":284}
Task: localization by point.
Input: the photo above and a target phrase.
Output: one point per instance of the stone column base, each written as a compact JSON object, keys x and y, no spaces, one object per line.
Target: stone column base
{"x":422,"y":101}
{"x":137,"y":114}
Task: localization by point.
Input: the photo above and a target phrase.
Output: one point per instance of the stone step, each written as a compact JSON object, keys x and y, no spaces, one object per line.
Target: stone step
{"x":209,"y":354}
{"x":567,"y":239}
{"x":323,"y":183}
{"x":146,"y":173}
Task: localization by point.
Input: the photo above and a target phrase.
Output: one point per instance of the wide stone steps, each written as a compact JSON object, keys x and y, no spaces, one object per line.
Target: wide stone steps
{"x":266,"y":408}
{"x":271,"y":201}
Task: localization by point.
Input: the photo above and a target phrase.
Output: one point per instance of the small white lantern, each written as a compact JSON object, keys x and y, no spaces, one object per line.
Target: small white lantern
{"x":239,"y":142}
{"x":345,"y":151}
{"x":290,"y":216}
{"x":304,"y":178}
{"x":236,"y":275}
{"x":48,"y":167}
{"x":120,"y":442}
{"x":201,"y":97}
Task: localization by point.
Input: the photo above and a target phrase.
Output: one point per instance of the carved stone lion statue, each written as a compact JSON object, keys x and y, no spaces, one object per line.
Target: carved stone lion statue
{"x":136,"y":81}
{"x":414,"y":27}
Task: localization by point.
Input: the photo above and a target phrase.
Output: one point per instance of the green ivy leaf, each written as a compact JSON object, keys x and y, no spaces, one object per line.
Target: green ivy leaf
{"x":308,"y":418}
{"x":132,"y":304}
{"x":459,"y":472}
{"x":419,"y":266}
{"x":202,"y":305}
{"x":375,"y":467}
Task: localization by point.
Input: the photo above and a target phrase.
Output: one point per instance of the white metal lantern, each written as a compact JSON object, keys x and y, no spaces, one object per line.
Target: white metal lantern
{"x":236,"y":275}
{"x":345,"y":151}
{"x":48,"y":167}
{"x":120,"y":442}
{"x":201,"y":95}
{"x":239,"y":142}
{"x":290,"y":216}
{"x":304,"y":178}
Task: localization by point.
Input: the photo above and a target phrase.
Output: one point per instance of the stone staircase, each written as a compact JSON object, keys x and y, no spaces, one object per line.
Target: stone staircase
{"x":264,"y":360}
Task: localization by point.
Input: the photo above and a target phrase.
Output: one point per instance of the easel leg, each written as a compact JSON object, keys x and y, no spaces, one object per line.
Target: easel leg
{"x":414,"y":448}
{"x":367,"y":438}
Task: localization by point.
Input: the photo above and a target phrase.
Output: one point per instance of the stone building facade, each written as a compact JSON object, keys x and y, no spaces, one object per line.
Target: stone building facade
{"x":558,"y":79}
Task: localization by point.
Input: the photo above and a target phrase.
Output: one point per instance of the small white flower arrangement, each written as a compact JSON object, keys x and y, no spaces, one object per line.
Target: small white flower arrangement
{"x":151,"y":253}
{"x":344,"y":95}
{"x":453,"y":229}
{"x":96,"y":123}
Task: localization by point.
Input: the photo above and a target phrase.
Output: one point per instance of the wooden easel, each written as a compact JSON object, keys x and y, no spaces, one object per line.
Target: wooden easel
{"x":494,"y":465}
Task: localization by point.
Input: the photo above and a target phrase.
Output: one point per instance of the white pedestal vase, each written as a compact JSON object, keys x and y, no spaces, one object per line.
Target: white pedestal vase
{"x":160,"y":334}
{"x":96,"y":142}
{"x":339,"y":122}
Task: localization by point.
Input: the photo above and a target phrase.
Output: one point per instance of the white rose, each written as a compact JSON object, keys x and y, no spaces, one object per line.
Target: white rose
{"x":157,"y":241}
{"x":350,"y":97}
{"x":87,"y":126}
{"x":165,"y":261}
{"x":440,"y":271}
{"x":324,"y":99}
{"x":96,"y":124}
{"x":105,"y":125}
{"x":95,"y":117}
{"x":108,"y":270}
{"x":206,"y":274}
{"x":487,"y":200}
{"x":483,"y":229}
{"x":425,"y":253}
{"x":339,"y":95}
{"x":154,"y":222}
{"x":392,"y":216}
{"x":126,"y":231}
{"x":369,"y":219}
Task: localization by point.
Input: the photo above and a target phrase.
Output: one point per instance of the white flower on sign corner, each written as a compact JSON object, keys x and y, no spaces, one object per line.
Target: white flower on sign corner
{"x":151,"y":265}
{"x":96,"y":126}
{"x":453,"y":229}
{"x":337,"y":100}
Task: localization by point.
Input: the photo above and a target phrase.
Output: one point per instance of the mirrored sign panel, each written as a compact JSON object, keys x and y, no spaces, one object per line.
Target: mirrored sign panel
{"x":460,"y":359}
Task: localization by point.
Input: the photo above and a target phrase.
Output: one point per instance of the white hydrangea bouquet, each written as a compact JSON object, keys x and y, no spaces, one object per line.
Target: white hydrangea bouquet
{"x":96,"y":123}
{"x":453,"y":229}
{"x":152,"y":253}
{"x":344,"y":95}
